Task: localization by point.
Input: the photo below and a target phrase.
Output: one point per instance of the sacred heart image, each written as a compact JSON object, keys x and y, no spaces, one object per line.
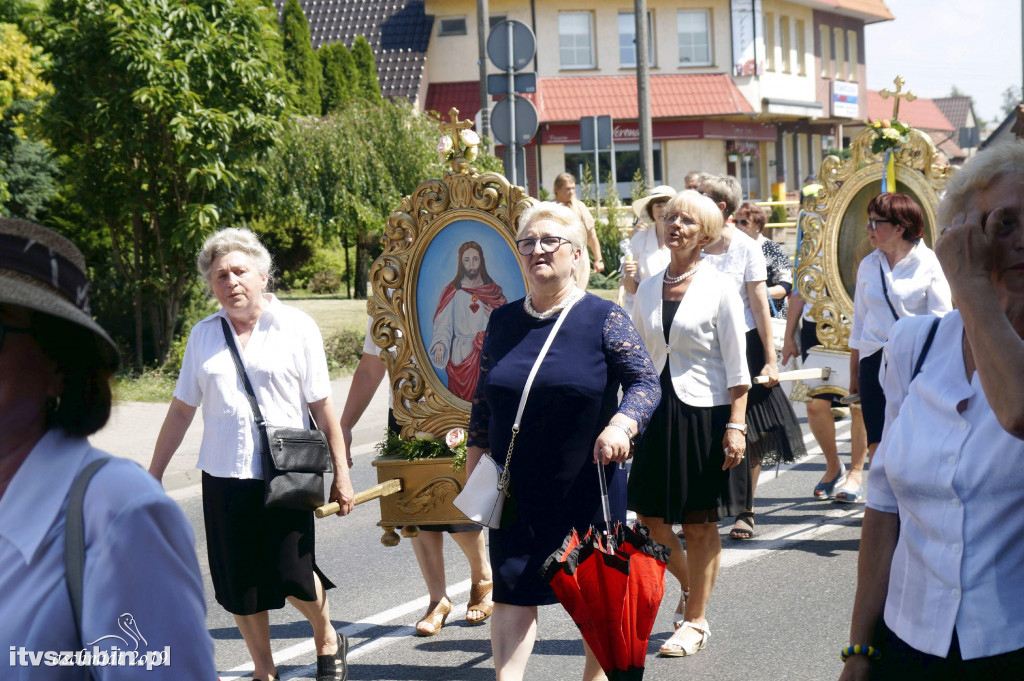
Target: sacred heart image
{"x":468,"y":271}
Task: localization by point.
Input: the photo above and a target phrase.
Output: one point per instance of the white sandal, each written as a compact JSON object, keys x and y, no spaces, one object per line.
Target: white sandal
{"x":674,"y":647}
{"x":679,"y":616}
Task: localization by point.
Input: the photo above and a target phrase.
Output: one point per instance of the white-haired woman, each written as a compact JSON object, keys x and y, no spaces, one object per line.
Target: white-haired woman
{"x":940,"y":575}
{"x":571,"y":420}
{"x":688,"y":466}
{"x":259,"y":557}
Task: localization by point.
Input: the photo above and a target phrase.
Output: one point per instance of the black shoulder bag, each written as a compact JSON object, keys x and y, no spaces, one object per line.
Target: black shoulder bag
{"x":294,"y":459}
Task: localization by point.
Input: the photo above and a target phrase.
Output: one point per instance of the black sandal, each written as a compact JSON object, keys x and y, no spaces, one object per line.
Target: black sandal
{"x":747,"y":518}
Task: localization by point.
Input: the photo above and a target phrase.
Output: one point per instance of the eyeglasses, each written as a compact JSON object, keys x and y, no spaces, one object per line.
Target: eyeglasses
{"x":4,"y":330}
{"x":679,"y":217}
{"x":548,"y":244}
{"x":743,"y":223}
{"x":874,"y":222}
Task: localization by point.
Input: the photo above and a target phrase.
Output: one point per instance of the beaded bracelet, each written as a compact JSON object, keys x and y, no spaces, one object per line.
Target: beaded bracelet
{"x":858,"y":649}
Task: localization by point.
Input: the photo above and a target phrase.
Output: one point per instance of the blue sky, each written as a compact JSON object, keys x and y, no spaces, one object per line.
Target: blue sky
{"x":936,"y":44}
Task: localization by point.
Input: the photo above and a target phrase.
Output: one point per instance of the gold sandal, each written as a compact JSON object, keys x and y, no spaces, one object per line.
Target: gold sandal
{"x":433,"y":621}
{"x":477,"y":593}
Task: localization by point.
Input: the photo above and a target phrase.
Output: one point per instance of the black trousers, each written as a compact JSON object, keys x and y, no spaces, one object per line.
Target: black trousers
{"x":900,"y":662}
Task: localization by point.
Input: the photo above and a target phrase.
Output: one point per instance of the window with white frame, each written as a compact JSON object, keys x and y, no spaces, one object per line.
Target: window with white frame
{"x":627,"y":40}
{"x":694,"y":30}
{"x":576,"y":40}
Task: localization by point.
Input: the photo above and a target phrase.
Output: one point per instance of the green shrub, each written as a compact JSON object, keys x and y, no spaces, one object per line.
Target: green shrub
{"x":344,"y":350}
{"x":326,"y":281}
{"x":604,"y":281}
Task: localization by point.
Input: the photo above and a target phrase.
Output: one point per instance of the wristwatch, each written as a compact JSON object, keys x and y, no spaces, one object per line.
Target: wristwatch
{"x":742,"y":427}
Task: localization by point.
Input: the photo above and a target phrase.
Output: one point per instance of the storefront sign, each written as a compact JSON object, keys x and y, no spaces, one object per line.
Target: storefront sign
{"x":628,"y":131}
{"x":844,"y":100}
{"x":747,"y":38}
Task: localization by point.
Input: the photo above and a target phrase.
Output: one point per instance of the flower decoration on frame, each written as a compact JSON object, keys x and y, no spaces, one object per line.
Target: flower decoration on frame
{"x":458,"y":143}
{"x":426,"y":446}
{"x":889,"y":134}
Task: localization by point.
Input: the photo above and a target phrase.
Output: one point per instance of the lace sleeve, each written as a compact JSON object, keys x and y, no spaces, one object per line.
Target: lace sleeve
{"x":480,"y":412}
{"x":631,"y":366}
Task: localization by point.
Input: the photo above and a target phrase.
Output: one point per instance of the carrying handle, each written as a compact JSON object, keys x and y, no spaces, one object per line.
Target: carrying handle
{"x":605,"y":508}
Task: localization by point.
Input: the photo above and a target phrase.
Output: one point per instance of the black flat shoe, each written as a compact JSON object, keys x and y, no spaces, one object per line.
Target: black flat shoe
{"x":334,"y":667}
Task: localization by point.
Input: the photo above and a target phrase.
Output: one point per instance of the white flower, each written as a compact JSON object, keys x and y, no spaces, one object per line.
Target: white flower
{"x":424,"y":435}
{"x":455,"y":437}
{"x":444,"y":147}
{"x":469,"y":137}
{"x":890,"y":133}
{"x":469,"y":153}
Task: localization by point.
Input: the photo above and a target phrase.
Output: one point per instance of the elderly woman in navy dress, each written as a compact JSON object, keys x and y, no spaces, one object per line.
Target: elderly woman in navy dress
{"x":572,"y":419}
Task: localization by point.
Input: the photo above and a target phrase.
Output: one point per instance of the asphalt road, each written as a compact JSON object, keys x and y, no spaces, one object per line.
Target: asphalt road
{"x":780,"y":609}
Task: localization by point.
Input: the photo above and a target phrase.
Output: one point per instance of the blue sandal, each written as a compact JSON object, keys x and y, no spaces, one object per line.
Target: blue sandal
{"x":850,"y":496}
{"x":826,"y":490}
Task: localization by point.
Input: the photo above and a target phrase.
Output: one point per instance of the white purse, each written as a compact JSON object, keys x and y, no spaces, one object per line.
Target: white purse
{"x":483,"y":496}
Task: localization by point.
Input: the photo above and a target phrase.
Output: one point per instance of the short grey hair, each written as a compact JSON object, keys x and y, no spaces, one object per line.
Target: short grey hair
{"x":979,"y":173}
{"x":722,"y":189}
{"x":571,"y":226}
{"x":233,"y":239}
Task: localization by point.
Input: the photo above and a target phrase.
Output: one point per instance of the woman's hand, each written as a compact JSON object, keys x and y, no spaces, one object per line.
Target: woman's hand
{"x":342,"y":492}
{"x":789,"y":350}
{"x":630,"y":268}
{"x":771,"y":370}
{"x":612,"y":445}
{"x":966,"y":248}
{"x":856,"y":668}
{"x":735,"y":445}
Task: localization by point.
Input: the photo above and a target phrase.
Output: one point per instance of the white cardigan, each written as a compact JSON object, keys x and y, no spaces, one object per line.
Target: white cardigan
{"x":707,"y":347}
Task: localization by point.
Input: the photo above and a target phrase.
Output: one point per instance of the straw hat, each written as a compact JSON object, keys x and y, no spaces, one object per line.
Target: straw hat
{"x":660,"y":192}
{"x":43,"y":271}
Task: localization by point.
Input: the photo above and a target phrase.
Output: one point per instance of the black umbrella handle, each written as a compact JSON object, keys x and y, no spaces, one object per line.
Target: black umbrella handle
{"x":606,"y":508}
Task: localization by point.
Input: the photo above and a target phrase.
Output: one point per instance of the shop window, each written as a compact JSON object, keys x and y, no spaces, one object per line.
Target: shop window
{"x":627,"y":161}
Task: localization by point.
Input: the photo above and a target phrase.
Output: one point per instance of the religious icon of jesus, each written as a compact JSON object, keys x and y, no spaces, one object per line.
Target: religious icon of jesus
{"x":463,"y":309}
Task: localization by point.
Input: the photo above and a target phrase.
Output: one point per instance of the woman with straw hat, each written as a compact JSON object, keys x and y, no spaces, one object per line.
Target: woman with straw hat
{"x":648,"y":254}
{"x":135,"y":574}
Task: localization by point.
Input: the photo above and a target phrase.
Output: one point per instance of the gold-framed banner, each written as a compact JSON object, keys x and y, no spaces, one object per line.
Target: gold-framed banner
{"x":449,"y":258}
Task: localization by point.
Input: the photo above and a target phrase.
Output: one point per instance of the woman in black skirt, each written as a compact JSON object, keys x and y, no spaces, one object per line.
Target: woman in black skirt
{"x":773,"y":432}
{"x":259,"y":557}
{"x":688,"y":465}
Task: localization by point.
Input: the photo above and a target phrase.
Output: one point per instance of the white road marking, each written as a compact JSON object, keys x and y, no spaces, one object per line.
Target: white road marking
{"x":830,"y":520}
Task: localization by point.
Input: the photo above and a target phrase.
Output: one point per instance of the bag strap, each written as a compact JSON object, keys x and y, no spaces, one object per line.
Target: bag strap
{"x":924,"y":348}
{"x":240,"y":368}
{"x":885,"y":292}
{"x":74,"y":540}
{"x":503,"y":482}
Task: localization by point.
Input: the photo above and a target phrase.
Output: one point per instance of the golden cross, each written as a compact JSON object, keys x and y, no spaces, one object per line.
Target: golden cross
{"x":897,"y":96}
{"x":452,"y":129}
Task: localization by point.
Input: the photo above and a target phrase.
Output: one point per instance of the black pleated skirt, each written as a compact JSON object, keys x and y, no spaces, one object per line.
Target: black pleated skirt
{"x":677,"y":470}
{"x":773,"y":431}
{"x":258,"y":556}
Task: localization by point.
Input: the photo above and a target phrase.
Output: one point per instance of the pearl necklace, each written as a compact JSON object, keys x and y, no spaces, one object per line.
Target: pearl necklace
{"x":685,"y":275}
{"x":569,"y":298}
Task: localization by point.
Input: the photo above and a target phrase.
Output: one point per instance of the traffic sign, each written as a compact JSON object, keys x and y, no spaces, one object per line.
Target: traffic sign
{"x":524,"y":45}
{"x":497,"y":83}
{"x":603,"y":130}
{"x":525,"y":121}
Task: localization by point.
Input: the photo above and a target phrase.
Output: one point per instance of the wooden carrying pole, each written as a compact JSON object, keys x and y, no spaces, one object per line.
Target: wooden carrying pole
{"x":796,"y":375}
{"x":382,"y":490}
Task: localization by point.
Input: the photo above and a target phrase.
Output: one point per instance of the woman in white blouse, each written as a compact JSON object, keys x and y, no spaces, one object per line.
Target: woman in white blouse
{"x":259,"y":557}
{"x":687,"y":467}
{"x":900,"y":278}
{"x":941,"y":565}
{"x":647,"y":246}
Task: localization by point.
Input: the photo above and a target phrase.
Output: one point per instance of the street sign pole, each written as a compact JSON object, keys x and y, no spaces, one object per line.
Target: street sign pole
{"x":512,"y":101}
{"x":597,"y":167}
{"x":483,"y":18}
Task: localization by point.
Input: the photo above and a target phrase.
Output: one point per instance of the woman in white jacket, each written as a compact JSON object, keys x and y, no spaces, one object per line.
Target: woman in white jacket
{"x":688,"y":465}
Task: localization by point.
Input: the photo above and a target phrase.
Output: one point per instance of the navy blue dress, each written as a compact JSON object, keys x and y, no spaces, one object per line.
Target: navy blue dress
{"x":554,"y":486}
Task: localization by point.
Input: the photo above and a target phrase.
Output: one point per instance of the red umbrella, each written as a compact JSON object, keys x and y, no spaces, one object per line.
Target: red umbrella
{"x":611,"y":585}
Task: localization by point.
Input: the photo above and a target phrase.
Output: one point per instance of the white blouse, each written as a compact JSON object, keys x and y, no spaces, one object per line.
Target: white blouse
{"x":287,"y":367}
{"x":743,"y":262}
{"x":916,"y":286}
{"x":706,"y":349}
{"x":955,"y":480}
{"x":649,"y":257}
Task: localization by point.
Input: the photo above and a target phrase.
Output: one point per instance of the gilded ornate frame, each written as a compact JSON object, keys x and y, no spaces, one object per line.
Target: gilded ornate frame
{"x":421,"y":401}
{"x":820,"y":278}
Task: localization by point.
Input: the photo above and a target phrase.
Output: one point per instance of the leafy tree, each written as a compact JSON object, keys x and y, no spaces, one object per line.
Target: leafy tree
{"x":27,"y":166}
{"x":160,"y":106}
{"x":21,"y":82}
{"x":957,"y":92}
{"x":1011,"y":98}
{"x":300,"y":60}
{"x":336,"y":180}
{"x":339,"y":76}
{"x":366,"y":66}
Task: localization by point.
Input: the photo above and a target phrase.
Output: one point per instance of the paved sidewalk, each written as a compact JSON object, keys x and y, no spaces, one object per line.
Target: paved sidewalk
{"x":134,"y":426}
